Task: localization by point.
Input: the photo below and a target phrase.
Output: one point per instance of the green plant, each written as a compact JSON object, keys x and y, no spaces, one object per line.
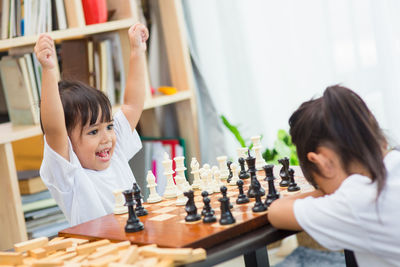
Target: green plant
{"x":283,"y":146}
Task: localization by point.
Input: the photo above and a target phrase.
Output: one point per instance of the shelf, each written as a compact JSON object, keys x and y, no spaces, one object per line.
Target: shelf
{"x":9,"y":133}
{"x":70,"y":33}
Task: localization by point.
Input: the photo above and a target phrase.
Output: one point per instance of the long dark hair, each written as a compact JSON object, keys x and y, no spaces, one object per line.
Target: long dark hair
{"x":341,"y":120}
{"x":82,"y":104}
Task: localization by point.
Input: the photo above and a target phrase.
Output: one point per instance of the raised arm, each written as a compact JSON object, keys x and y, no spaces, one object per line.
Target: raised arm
{"x":51,"y":109}
{"x":136,"y":80}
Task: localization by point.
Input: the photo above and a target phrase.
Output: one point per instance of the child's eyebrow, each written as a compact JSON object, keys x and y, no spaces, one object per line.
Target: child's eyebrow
{"x":97,"y":124}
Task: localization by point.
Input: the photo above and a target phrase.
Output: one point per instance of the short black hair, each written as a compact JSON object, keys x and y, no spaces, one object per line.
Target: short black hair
{"x":83,"y":104}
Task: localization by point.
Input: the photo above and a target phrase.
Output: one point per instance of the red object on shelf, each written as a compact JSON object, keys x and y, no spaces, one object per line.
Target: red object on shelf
{"x":95,"y":11}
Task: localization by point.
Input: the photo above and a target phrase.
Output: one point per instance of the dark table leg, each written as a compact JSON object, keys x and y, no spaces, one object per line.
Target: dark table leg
{"x":256,"y":258}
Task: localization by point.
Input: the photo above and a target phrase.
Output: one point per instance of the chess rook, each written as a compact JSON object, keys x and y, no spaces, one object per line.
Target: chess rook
{"x":133,"y":224}
{"x":260,"y":162}
{"x":269,"y":176}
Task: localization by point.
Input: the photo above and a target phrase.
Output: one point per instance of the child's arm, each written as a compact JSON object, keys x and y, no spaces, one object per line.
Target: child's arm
{"x":136,"y":80}
{"x":281,"y":213}
{"x":51,"y":109}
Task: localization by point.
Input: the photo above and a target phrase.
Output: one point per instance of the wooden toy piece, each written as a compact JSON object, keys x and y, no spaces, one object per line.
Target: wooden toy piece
{"x":38,"y":253}
{"x":103,"y":252}
{"x":11,"y":258}
{"x":31,"y":244}
{"x":56,"y":239}
{"x":198,"y":254}
{"x":165,"y":263}
{"x":90,"y":247}
{"x":67,"y":256}
{"x":57,"y":245}
{"x":176,"y":254}
{"x":130,"y":255}
{"x":104,"y":261}
{"x":55,"y":255}
{"x":79,"y":258}
{"x":47,"y":263}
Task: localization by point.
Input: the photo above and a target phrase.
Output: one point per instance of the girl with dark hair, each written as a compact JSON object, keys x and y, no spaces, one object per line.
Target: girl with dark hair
{"x":86,"y":149}
{"x":343,"y":153}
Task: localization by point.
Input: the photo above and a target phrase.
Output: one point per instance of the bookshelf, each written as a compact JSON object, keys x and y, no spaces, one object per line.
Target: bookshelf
{"x":12,"y":224}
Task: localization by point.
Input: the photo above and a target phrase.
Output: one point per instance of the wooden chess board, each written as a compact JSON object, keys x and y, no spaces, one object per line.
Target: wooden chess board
{"x":165,"y":223}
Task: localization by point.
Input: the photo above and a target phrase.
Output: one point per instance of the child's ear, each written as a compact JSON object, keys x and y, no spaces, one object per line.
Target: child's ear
{"x":323,"y":159}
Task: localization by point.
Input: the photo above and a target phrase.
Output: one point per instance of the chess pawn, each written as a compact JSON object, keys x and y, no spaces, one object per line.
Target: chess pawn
{"x":181,"y":199}
{"x":242,"y":153}
{"x":269,"y":176}
{"x":180,"y":170}
{"x":191,"y":208}
{"x":216,"y":184}
{"x":133,"y":224}
{"x":283,"y":173}
{"x":222,"y":167}
{"x":235,"y":176}
{"x":170,"y":189}
{"x":119,"y":207}
{"x":196,"y":173}
{"x":204,"y":194}
{"x":217,"y":178}
{"x":151,"y":184}
{"x":209,"y":216}
{"x":243,"y":173}
{"x":228,"y":164}
{"x":226,"y":215}
{"x":292,"y":185}
{"x":210,"y":182}
{"x":242,"y":198}
{"x":260,"y":162}
{"x":258,"y":205}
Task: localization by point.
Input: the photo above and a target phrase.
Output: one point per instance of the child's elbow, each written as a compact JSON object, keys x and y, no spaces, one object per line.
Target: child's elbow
{"x":273,"y":214}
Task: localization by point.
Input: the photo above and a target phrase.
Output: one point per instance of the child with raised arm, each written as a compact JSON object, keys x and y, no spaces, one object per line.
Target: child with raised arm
{"x":86,"y":149}
{"x":343,"y":153}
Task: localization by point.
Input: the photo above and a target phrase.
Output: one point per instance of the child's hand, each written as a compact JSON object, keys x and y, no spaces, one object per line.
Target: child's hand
{"x":45,"y":51}
{"x":138,"y":35}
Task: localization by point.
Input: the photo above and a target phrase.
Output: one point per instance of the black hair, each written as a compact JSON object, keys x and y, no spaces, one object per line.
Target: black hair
{"x":341,"y":120}
{"x":83,"y":104}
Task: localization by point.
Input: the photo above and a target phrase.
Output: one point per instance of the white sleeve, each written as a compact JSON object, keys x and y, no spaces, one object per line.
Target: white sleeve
{"x":330,"y":221}
{"x":128,"y":141}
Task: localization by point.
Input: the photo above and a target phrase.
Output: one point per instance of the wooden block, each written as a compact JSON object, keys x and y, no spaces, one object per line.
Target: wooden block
{"x":90,"y":247}
{"x":78,"y":241}
{"x":115,"y":264}
{"x":198,"y":254}
{"x":56,"y":239}
{"x":146,"y":247}
{"x":31,"y":244}
{"x":176,"y":254}
{"x":11,"y":258}
{"x":103,"y":261}
{"x":152,"y":261}
{"x":47,"y":263}
{"x":123,"y":245}
{"x":57,"y":245}
{"x":78,"y":258}
{"x":70,"y":249}
{"x":103,"y":252}
{"x":38,"y":253}
{"x":55,"y":255}
{"x":165,"y":263}
{"x":67,"y":256}
{"x":130,"y":255}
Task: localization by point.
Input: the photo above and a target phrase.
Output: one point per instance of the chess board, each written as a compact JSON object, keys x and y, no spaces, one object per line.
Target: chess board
{"x":165,"y":223}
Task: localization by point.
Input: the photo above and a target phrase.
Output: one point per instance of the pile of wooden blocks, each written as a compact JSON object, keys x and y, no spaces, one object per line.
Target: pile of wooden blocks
{"x":75,"y":252}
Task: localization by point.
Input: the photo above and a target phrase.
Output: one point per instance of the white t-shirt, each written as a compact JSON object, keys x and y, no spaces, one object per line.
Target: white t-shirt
{"x":352,"y":219}
{"x":84,"y":194}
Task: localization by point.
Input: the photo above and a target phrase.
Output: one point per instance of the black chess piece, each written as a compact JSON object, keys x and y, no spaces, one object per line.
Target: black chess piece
{"x":269,"y":176}
{"x":243,"y":173}
{"x":292,"y":185}
{"x":242,"y":198}
{"x":204,"y":194}
{"x":251,"y":162}
{"x":226,"y":215}
{"x":224,"y":194}
{"x":229,"y":163}
{"x":209,"y":216}
{"x":284,"y":174}
{"x":190,"y":208}
{"x":133,"y":223}
{"x":258,"y":205}
{"x":140,"y":210}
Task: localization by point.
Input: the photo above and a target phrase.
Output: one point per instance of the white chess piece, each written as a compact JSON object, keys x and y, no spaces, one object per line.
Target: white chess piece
{"x":260,"y":162}
{"x":119,"y":207}
{"x":181,"y":199}
{"x":180,"y":170}
{"x":196,"y":173}
{"x":151,"y":184}
{"x":205,"y":186}
{"x":170,"y":189}
{"x":215,"y":185}
{"x":218,"y":182}
{"x":235,"y":176}
{"x":223,"y":168}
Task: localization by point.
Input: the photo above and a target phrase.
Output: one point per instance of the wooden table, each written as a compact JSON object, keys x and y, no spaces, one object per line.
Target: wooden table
{"x":248,"y":236}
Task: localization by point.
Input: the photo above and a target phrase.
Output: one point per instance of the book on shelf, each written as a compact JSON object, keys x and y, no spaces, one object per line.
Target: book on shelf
{"x":26,"y":199}
{"x":95,"y":11}
{"x":38,"y":205}
{"x":74,"y":59}
{"x":19,"y":96}
{"x":74,"y":11}
{"x":107,"y":84}
{"x":30,"y":182}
